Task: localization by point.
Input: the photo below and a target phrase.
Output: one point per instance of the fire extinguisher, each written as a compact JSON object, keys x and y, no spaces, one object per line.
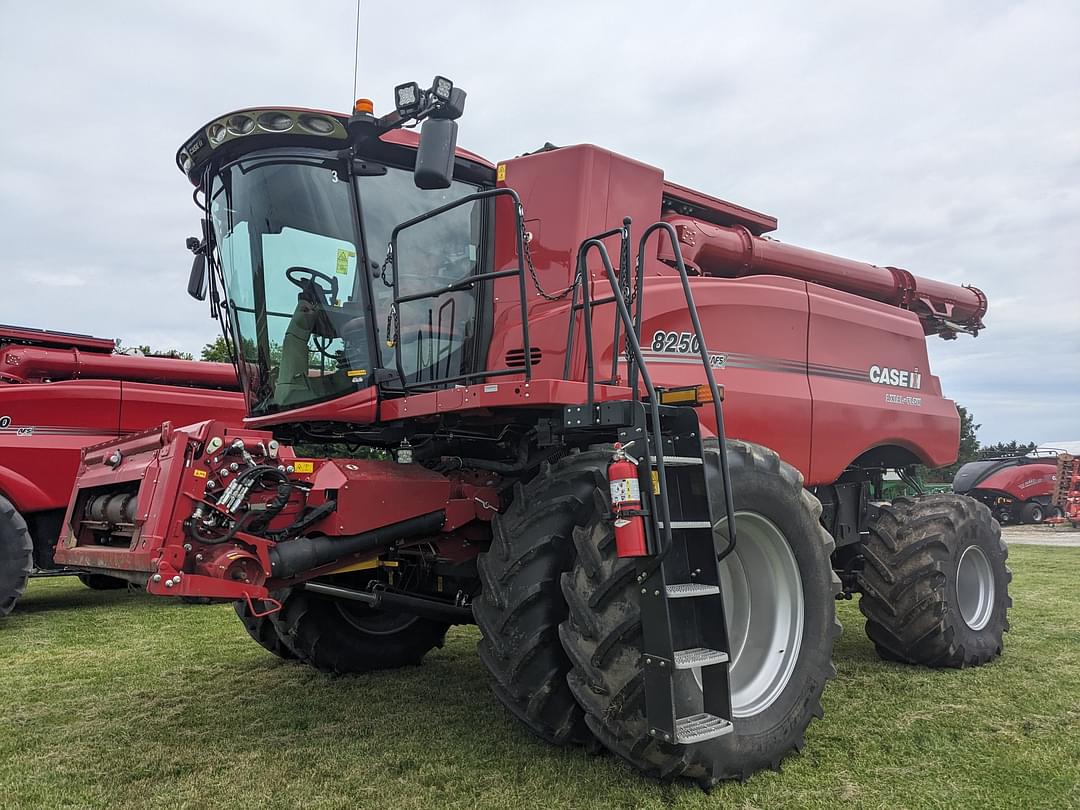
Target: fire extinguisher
{"x":626,"y":505}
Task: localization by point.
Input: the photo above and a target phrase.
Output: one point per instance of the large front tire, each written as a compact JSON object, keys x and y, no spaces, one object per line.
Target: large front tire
{"x":263,"y":632}
{"x":935,"y":586}
{"x":16,"y":556}
{"x":521,"y":604}
{"x":776,"y":691}
{"x":344,"y":637}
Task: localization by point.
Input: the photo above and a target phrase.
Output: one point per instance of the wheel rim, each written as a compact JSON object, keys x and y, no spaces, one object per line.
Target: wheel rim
{"x":375,"y":622}
{"x":1036,"y":515}
{"x":764,"y":609}
{"x":975,"y":588}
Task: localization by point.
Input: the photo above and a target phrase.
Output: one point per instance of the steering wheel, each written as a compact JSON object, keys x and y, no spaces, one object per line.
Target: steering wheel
{"x":304,"y":278}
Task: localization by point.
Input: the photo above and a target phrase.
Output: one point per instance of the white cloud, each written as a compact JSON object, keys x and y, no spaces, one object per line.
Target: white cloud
{"x":944,"y":138}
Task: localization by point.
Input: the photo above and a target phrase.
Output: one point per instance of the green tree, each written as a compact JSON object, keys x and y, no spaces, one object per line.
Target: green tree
{"x":145,"y":350}
{"x":1002,"y":449}
{"x":217,"y":352}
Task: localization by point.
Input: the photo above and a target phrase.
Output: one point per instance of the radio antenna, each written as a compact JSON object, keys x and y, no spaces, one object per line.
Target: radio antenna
{"x":356,"y":52}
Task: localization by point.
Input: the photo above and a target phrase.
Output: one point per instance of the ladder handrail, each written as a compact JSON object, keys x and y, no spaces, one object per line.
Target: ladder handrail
{"x":635,"y":346}
{"x":680,"y":265}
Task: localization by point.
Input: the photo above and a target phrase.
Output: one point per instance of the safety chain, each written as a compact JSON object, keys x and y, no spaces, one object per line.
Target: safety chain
{"x":559,"y":296}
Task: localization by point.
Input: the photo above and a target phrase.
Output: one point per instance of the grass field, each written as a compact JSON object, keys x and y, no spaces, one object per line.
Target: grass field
{"x":117,"y":699}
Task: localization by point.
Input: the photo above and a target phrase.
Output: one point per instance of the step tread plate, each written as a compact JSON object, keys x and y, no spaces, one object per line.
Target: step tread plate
{"x":701,"y":727}
{"x":682,"y":590}
{"x":688,"y":524}
{"x":678,"y":461}
{"x":694,"y":657}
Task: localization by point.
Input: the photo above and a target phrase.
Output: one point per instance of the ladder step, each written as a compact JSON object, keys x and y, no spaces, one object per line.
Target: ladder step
{"x":699,"y":657}
{"x":700,"y":727}
{"x":685,"y":589}
{"x":677,"y":461}
{"x":688,"y":524}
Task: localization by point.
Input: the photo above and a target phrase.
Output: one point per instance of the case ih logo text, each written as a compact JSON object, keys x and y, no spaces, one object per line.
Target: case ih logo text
{"x":896,"y":377}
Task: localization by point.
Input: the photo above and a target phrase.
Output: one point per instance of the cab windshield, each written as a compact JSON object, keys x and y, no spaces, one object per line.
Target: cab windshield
{"x":299,"y":275}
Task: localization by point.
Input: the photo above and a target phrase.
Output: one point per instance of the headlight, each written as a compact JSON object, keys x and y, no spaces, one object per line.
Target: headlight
{"x":317,"y":124}
{"x":275,"y":122}
{"x":216,"y":133}
{"x":240,"y":125}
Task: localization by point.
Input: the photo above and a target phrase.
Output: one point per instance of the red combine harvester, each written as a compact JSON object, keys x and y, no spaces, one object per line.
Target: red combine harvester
{"x":1017,"y":489}
{"x":547,"y":375}
{"x":60,"y":392}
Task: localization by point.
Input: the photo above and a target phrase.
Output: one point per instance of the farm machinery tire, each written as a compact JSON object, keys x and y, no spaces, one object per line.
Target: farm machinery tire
{"x":102,"y":582}
{"x":345,"y":637}
{"x":521,"y":605}
{"x":1033,"y":512}
{"x":779,"y":592}
{"x":16,"y":556}
{"x":263,"y":631}
{"x":935,"y":583}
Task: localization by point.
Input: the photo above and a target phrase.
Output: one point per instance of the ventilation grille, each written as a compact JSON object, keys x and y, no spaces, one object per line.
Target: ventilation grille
{"x":515,"y":358}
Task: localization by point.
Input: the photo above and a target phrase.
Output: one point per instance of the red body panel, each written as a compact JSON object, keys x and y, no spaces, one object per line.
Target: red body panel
{"x":48,"y":425}
{"x":1023,"y":482}
{"x":71,"y":391}
{"x":800,"y":363}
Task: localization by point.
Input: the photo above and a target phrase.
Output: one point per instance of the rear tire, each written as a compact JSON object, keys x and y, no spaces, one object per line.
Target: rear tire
{"x":344,"y":637}
{"x":1033,"y":512}
{"x":16,"y":556}
{"x":102,"y":582}
{"x":935,"y":583}
{"x":521,"y":604}
{"x":263,"y":631}
{"x":603,"y":633}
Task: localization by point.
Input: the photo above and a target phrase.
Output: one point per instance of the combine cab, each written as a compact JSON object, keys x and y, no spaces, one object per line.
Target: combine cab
{"x":552,"y":353}
{"x":61,"y":392}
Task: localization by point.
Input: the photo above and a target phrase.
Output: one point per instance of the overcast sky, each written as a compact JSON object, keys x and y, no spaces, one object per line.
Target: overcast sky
{"x":940,"y":137}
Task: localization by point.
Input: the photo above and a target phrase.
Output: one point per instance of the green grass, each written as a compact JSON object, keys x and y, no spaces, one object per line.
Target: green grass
{"x":117,"y":699}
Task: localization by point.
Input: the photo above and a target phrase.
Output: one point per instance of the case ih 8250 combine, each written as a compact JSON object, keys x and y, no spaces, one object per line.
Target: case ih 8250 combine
{"x":59,"y":393}
{"x":539,"y":344}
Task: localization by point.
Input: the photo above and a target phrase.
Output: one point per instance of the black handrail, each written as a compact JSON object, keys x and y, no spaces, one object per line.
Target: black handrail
{"x":635,"y":347}
{"x":467,"y":283}
{"x":729,"y":506}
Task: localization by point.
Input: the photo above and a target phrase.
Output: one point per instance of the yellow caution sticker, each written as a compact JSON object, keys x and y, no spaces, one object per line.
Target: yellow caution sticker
{"x":500,"y":173}
{"x":356,"y":372}
{"x":199,"y":473}
{"x":343,"y":257}
{"x":303,"y":466}
{"x":655,"y":482}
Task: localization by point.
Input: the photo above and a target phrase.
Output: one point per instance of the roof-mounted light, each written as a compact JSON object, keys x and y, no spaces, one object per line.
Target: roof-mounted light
{"x":441,"y":88}
{"x":257,"y":123}
{"x":407,"y":99}
{"x":275,"y":122}
{"x":318,"y":124}
{"x":240,"y":125}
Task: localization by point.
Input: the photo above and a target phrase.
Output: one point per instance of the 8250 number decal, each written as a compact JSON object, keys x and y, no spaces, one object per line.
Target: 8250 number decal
{"x":683,"y":343}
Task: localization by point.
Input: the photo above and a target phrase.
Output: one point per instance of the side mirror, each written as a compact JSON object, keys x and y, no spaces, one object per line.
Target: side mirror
{"x":435,"y":156}
{"x":196,"y":285}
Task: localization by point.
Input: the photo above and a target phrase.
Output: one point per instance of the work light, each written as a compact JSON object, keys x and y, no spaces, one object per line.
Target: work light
{"x":441,"y":88}
{"x":407,"y":98}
